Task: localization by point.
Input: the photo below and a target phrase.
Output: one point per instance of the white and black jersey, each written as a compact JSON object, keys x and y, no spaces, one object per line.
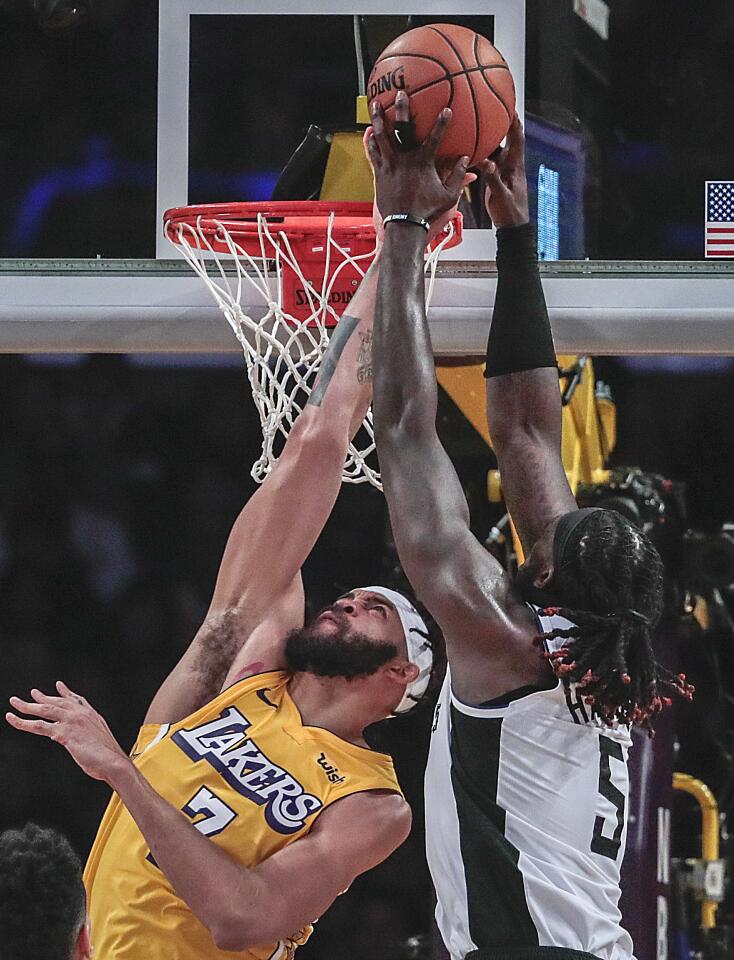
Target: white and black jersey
{"x":526,"y":824}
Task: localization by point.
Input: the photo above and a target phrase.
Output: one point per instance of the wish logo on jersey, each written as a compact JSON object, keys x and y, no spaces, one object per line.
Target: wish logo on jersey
{"x":224,"y":743}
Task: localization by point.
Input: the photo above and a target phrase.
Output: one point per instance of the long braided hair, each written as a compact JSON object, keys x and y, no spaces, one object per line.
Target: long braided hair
{"x":611,"y":579}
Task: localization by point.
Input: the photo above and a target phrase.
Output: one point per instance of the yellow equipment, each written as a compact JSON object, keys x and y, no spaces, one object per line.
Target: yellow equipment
{"x":348,"y":175}
{"x":712,"y":867}
{"x":589,"y":420}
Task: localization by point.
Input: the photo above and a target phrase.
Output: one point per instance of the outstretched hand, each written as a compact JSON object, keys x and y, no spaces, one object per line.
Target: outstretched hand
{"x":505,"y":183}
{"x":71,"y":721}
{"x":407,"y":181}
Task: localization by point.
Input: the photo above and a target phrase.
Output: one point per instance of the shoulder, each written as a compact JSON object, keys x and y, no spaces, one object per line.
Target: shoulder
{"x":384,"y":819}
{"x":501,"y":659}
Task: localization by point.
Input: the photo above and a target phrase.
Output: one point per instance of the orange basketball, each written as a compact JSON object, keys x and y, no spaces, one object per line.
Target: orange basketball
{"x":444,"y":65}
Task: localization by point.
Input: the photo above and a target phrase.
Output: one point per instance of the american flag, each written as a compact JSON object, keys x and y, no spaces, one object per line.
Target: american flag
{"x":720,"y":218}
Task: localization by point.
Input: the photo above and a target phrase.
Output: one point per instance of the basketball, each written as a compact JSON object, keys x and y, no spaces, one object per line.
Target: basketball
{"x":445,"y":65}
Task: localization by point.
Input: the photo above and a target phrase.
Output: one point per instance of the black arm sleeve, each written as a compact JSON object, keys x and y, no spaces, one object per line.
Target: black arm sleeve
{"x":520,"y":337}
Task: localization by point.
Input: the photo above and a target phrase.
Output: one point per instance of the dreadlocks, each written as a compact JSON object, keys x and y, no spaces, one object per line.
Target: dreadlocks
{"x":611,"y":577}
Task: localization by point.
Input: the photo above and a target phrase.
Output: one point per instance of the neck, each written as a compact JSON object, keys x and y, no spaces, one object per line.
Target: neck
{"x":344,"y":707}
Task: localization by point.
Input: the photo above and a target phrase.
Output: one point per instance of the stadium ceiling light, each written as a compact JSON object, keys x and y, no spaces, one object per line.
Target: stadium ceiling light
{"x":61,"y":14}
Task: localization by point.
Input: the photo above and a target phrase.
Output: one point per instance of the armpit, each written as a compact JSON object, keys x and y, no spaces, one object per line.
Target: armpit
{"x":219,"y":641}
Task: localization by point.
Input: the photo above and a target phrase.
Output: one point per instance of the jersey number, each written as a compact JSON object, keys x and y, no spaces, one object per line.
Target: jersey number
{"x":216,"y":814}
{"x":601,"y":842}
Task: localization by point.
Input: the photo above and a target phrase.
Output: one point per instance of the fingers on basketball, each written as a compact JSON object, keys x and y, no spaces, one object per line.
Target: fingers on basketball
{"x":402,"y":107}
{"x":368,"y":144}
{"x":371,"y":148}
{"x":455,"y":182}
{"x":438,"y":131}
{"x":514,"y":149}
{"x":493,"y":183}
{"x":379,"y":135}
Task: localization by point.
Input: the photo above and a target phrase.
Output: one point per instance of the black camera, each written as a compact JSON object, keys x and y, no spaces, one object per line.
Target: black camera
{"x":708,"y":562}
{"x":647,"y":500}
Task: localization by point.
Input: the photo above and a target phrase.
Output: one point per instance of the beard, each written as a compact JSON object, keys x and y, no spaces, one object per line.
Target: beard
{"x":340,"y":653}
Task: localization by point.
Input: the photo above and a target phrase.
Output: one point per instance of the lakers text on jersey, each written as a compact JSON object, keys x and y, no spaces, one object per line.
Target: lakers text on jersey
{"x":253,"y":778}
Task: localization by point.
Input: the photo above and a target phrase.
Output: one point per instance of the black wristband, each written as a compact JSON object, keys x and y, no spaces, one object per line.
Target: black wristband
{"x":520,"y":337}
{"x":407,"y":218}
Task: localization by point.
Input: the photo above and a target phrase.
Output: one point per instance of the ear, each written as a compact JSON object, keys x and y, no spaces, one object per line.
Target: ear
{"x":404,"y":672}
{"x":544,"y":577}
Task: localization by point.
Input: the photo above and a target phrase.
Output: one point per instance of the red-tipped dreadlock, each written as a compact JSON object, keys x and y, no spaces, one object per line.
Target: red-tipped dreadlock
{"x":613,"y":569}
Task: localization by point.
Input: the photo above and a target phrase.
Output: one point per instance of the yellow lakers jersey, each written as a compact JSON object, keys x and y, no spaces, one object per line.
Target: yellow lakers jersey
{"x":253,"y":778}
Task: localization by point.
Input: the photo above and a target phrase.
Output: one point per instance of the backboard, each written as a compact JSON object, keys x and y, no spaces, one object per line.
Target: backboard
{"x":205,"y":100}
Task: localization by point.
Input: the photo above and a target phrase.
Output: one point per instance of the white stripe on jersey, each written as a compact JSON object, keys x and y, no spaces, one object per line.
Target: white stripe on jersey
{"x":443,"y":849}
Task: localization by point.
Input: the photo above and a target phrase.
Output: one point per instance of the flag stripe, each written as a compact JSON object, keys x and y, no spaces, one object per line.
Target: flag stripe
{"x":719,"y":219}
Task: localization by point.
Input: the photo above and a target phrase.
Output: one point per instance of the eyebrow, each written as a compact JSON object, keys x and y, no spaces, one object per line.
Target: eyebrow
{"x":375,"y":597}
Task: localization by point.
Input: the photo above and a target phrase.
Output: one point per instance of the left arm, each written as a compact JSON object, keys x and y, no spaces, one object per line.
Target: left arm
{"x":269,"y":902}
{"x":278,"y":897}
{"x":523,"y":399}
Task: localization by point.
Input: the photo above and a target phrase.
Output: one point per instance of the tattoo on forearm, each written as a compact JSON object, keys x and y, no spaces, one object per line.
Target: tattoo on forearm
{"x":364,"y":358}
{"x":342,"y":332}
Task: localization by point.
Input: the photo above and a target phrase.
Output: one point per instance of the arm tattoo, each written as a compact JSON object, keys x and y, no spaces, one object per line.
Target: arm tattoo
{"x":342,"y":332}
{"x":364,"y":358}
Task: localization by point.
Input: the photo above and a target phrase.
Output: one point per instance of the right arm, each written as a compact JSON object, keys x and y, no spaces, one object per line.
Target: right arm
{"x":462,"y":585}
{"x":258,"y":596}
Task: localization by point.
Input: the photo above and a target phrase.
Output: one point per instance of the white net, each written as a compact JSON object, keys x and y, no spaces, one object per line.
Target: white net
{"x":283,"y":352}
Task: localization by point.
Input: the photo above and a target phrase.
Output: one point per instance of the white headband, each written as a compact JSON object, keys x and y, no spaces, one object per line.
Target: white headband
{"x":417,"y":642}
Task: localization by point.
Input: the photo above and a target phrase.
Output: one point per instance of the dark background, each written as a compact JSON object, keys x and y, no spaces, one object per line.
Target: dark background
{"x":119,"y":480}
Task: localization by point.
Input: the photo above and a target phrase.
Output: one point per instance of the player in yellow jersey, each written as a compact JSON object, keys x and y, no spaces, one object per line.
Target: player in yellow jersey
{"x":251,"y":800}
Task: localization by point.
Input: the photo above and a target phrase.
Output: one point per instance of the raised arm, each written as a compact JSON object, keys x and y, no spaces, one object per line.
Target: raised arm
{"x":258,"y":595}
{"x":462,"y":585}
{"x":523,"y":397}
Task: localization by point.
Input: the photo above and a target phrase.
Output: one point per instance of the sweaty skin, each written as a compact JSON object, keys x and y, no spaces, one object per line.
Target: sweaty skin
{"x":489,"y":632}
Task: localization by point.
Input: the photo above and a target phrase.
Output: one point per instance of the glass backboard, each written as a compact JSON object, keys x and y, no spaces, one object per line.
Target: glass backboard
{"x":147,"y":106}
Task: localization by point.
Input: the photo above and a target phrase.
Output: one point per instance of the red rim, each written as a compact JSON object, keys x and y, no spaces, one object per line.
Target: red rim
{"x":230,"y":228}
{"x":297,"y":219}
{"x":276,"y":208}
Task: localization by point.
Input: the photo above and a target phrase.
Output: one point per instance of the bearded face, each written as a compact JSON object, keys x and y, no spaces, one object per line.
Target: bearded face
{"x":331,"y":647}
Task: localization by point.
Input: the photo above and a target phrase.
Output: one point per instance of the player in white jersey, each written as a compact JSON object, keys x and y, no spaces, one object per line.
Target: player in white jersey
{"x":526,"y":787}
